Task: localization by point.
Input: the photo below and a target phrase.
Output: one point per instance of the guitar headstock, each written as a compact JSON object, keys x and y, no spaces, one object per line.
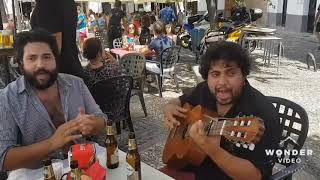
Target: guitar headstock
{"x":245,"y":130}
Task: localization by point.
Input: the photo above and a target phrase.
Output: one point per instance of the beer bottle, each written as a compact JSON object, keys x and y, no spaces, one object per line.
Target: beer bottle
{"x":111,"y":148}
{"x":75,"y":173}
{"x":48,"y":170}
{"x":133,"y":159}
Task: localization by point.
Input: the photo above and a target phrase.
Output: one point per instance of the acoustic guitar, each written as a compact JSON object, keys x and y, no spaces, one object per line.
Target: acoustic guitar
{"x":180,"y":150}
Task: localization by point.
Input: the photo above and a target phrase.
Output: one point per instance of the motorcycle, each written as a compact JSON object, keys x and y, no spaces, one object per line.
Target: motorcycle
{"x":184,"y":32}
{"x":231,"y":30}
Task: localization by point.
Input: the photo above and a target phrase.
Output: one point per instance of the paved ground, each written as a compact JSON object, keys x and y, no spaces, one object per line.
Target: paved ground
{"x":293,"y":81}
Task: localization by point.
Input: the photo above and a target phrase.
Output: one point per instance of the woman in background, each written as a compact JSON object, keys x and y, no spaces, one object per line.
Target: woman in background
{"x":169,"y":31}
{"x":81,"y":26}
{"x":102,"y":65}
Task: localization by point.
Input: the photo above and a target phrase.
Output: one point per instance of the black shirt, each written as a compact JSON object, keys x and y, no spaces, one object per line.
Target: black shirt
{"x":47,"y":14}
{"x":251,"y":102}
{"x":60,"y":16}
{"x":116,"y":15}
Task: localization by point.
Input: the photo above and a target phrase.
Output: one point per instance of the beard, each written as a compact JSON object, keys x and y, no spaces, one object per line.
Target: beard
{"x":41,"y":84}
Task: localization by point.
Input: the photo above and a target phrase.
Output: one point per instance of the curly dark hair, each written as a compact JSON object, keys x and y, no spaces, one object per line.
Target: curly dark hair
{"x":35,"y":35}
{"x":227,"y":51}
{"x":91,"y":48}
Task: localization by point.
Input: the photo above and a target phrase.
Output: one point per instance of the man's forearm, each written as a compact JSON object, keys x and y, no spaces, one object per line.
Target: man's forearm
{"x":236,"y":168}
{"x":26,"y":156}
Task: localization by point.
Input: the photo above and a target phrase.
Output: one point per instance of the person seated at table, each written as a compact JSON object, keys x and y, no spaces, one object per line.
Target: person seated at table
{"x":169,"y":30}
{"x":226,"y":90}
{"x":102,"y":65}
{"x":43,"y":111}
{"x":132,"y":37}
{"x":145,"y":34}
{"x":158,"y":44}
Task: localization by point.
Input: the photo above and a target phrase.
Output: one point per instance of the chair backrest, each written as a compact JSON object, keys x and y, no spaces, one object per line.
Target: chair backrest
{"x":117,"y":43}
{"x":99,"y":35}
{"x":169,"y":57}
{"x":133,"y":65}
{"x":113,"y":96}
{"x":294,"y":124}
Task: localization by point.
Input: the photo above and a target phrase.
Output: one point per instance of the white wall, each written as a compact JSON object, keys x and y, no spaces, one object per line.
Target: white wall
{"x":202,"y":5}
{"x":130,"y":7}
{"x":298,"y":7}
{"x":95,"y":6}
{"x":276,"y":7}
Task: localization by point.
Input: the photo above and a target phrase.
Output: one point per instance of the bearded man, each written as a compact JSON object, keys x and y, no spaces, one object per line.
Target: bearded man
{"x":43,"y":112}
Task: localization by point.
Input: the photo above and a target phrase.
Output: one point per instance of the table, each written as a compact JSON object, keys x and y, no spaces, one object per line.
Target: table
{"x":5,"y":53}
{"x":112,"y":174}
{"x":122,"y":51}
{"x":259,"y":30}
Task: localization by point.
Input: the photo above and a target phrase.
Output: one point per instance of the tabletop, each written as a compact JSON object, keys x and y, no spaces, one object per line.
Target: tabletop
{"x":258,"y":29}
{"x":122,"y":51}
{"x":112,"y":174}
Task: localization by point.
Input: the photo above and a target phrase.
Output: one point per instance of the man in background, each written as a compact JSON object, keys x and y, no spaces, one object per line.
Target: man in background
{"x":167,"y":15}
{"x":114,"y":26}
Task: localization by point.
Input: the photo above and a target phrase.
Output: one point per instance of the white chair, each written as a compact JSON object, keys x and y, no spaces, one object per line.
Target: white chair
{"x":117,"y":43}
{"x":166,"y":67}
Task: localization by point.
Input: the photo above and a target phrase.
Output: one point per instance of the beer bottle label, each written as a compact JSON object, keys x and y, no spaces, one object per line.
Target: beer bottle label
{"x":115,"y":157}
{"x":45,"y":172}
{"x":131,"y":173}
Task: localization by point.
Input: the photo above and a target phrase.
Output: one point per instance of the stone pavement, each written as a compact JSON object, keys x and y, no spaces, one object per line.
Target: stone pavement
{"x":293,"y":81}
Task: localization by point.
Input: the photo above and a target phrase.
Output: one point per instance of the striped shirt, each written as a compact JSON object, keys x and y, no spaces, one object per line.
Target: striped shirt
{"x":24,"y":119}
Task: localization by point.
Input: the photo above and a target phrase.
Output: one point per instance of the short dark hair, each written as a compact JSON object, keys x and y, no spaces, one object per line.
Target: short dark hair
{"x":117,"y":4}
{"x":145,"y":21}
{"x":158,"y":27}
{"x":36,"y":35}
{"x":91,"y":48}
{"x":227,"y":51}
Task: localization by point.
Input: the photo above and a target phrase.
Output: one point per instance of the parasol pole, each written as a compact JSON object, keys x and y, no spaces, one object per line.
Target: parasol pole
{"x":14,"y":18}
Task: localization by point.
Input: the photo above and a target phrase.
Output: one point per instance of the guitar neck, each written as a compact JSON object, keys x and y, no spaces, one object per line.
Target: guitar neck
{"x":215,"y":126}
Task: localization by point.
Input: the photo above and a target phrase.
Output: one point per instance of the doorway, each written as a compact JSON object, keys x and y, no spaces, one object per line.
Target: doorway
{"x":284,"y":13}
{"x":311,"y":15}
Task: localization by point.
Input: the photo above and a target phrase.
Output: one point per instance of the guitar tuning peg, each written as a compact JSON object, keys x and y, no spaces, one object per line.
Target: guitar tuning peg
{"x":238,"y":144}
{"x":248,"y":123}
{"x":244,"y":145}
{"x":252,"y":146}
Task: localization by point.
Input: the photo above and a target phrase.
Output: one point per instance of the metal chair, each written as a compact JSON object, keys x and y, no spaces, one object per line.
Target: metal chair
{"x":294,"y":125}
{"x":168,"y":59}
{"x":99,"y":35}
{"x":117,"y":43}
{"x":134,"y":65}
{"x":113,"y":97}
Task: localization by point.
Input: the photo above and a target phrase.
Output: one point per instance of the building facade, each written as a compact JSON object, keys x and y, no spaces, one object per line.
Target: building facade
{"x":293,"y":15}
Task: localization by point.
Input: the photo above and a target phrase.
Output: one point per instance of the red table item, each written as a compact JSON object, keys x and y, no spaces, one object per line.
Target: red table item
{"x":96,"y":172}
{"x":84,"y":154}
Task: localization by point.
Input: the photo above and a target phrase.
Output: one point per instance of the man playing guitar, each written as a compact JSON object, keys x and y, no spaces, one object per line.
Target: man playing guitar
{"x":226,"y":90}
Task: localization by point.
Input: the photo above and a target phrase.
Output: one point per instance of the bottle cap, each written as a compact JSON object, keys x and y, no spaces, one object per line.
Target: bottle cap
{"x":74,"y":164}
{"x":132,"y":135}
{"x":46,"y":162}
{"x":109,"y":123}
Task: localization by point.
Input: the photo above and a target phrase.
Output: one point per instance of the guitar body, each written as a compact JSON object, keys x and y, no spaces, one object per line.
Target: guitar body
{"x":180,"y":150}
